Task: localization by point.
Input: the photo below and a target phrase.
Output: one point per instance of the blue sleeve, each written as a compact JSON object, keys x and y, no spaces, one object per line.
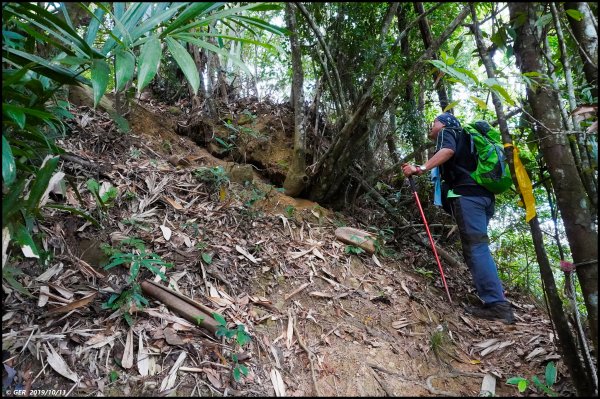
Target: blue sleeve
{"x":446,"y":139}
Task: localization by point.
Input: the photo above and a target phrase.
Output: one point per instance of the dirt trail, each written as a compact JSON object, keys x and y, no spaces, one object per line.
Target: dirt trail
{"x":328,"y":322}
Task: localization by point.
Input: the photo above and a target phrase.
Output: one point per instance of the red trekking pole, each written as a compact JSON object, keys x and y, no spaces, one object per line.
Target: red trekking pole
{"x":414,"y":190}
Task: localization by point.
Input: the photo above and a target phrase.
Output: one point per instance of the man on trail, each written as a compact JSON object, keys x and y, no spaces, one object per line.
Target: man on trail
{"x":472,"y":206}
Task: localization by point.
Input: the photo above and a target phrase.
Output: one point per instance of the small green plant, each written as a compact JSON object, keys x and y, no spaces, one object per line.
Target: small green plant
{"x":255,"y":195}
{"x":352,"y":249}
{"x":215,"y":176}
{"x":546,"y":386}
{"x":207,"y":258}
{"x":290,"y":210}
{"x":105,"y":199}
{"x":113,"y":376}
{"x":138,"y":258}
{"x":134,"y":152}
{"x":241,"y":339}
{"x":424,"y":272}
{"x":125,"y":300}
{"x":129,"y":195}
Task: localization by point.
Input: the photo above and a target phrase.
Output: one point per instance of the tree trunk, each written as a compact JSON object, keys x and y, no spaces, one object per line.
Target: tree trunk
{"x":410,"y":107}
{"x":586,"y":34}
{"x":570,"y":195}
{"x":585,"y":169}
{"x":427,"y":40}
{"x":296,"y":178}
{"x":567,"y":343}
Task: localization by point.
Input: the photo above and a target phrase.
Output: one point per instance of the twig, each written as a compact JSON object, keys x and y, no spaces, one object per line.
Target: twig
{"x":382,"y":383}
{"x":310,"y":358}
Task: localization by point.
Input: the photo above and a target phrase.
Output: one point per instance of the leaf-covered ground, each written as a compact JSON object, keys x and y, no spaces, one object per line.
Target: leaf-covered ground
{"x":321,"y":321}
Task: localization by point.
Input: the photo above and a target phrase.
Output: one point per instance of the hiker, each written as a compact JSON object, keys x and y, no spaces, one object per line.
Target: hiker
{"x":472,"y":206}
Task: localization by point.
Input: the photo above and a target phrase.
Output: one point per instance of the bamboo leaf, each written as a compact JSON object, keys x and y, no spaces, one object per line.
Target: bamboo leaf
{"x":23,"y":238}
{"x":43,"y":67}
{"x":11,"y":201}
{"x":75,"y":211}
{"x":550,"y":374}
{"x":215,"y":49}
{"x":502,"y":91}
{"x":94,"y":25}
{"x":185,"y":62}
{"x":124,"y":65}
{"x":9,"y":169}
{"x":148,"y":62}
{"x":576,"y":15}
{"x":41,"y":182}
{"x":480,"y":103}
{"x":155,"y":20}
{"x":100,"y":74}
{"x":16,"y":114}
{"x":191,"y":12}
{"x":451,"y":105}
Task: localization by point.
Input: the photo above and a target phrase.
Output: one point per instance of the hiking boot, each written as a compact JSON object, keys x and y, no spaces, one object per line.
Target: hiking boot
{"x":496,"y":311}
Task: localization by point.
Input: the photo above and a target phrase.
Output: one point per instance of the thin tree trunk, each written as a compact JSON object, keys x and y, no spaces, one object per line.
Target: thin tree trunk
{"x":585,"y":32}
{"x":570,"y":195}
{"x":332,"y":63}
{"x":427,"y":40}
{"x":586,"y":170}
{"x":296,"y":178}
{"x":390,"y":139}
{"x":415,"y":135}
{"x":567,"y":343}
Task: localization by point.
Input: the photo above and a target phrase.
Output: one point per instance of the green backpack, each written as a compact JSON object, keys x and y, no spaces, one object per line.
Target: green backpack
{"x":492,"y":170}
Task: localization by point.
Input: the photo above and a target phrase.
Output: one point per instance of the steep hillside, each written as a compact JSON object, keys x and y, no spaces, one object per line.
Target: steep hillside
{"x":322,"y":321}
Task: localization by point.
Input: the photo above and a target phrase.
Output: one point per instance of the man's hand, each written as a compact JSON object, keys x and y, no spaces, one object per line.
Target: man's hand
{"x":409,"y":170}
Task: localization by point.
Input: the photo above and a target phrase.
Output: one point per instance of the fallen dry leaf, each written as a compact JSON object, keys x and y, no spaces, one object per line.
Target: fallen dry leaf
{"x":277,"y":382}
{"x":72,"y":306}
{"x":142,"y":358}
{"x":127,"y":361}
{"x":59,"y":365}
{"x":166,"y":232}
{"x":169,"y":380}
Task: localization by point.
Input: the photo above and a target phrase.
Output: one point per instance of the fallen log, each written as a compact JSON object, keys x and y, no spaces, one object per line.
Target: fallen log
{"x":187,"y":308}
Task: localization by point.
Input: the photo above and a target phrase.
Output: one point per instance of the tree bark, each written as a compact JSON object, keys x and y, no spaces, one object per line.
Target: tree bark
{"x":571,"y":197}
{"x":410,"y":107}
{"x":296,"y":178}
{"x":586,"y":34}
{"x":567,"y":343}
{"x":585,"y":169}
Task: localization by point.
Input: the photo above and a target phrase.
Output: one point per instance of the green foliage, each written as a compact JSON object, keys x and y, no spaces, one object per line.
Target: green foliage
{"x":290,"y":210}
{"x":113,"y":376}
{"x":352,"y":249}
{"x":207,"y":258}
{"x":241,"y":338}
{"x":137,"y":258}
{"x":125,"y":300}
{"x":103,"y":200}
{"x":216,"y":176}
{"x":546,"y":386}
{"x":8,"y":274}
